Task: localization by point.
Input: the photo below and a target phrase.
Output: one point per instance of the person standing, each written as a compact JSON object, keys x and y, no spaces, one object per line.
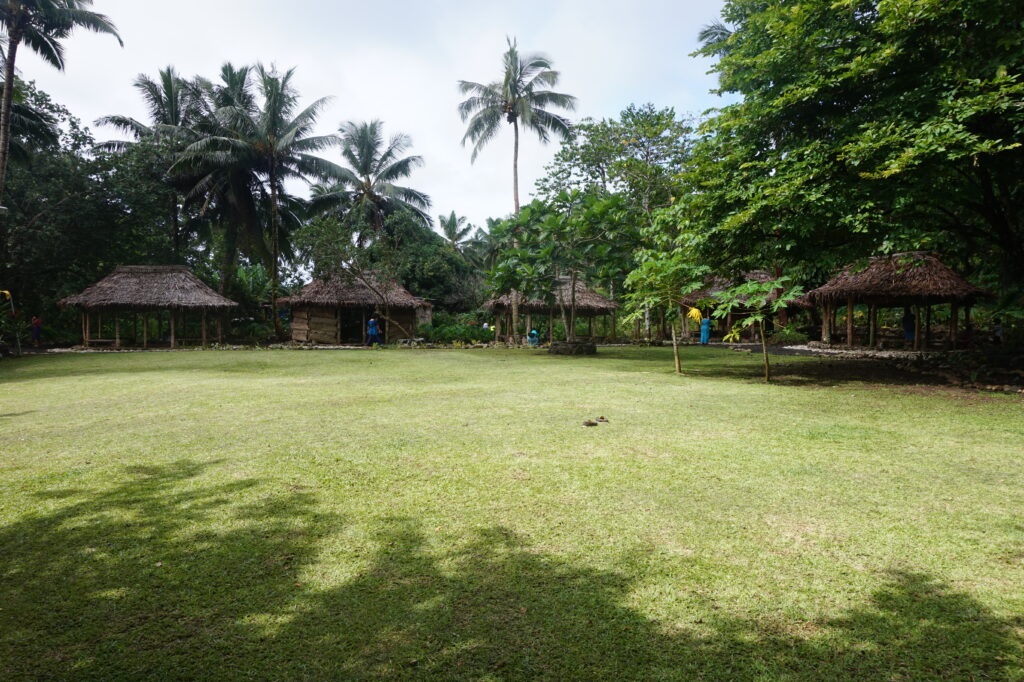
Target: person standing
{"x":373,"y":333}
{"x":705,"y":331}
{"x":37,"y":330}
{"x":909,"y":324}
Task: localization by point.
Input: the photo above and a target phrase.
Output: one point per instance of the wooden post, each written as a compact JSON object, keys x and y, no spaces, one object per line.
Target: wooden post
{"x":849,"y":322}
{"x":551,"y":325}
{"x":220,"y":328}
{"x":954,"y":313}
{"x":145,"y":330}
{"x":363,"y":333}
{"x":968,"y":326}
{"x":872,"y":325}
{"x":927,"y":326}
{"x":529,"y":322}
{"x":590,"y":327}
{"x":87,"y":330}
{"x":117,"y":331}
{"x":497,"y":327}
{"x":826,"y":338}
{"x":202,"y":326}
{"x":917,"y":327}
{"x":81,"y":323}
{"x":170,"y":315}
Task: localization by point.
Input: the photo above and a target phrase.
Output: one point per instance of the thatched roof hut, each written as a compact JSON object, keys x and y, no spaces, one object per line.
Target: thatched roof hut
{"x":148,"y":287}
{"x":911,"y":278}
{"x":338,"y":292}
{"x":133,"y":289}
{"x":588,"y":302}
{"x":336,"y":310}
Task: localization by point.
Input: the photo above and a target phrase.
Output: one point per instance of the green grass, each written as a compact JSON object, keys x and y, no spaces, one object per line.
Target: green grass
{"x":444,"y":514}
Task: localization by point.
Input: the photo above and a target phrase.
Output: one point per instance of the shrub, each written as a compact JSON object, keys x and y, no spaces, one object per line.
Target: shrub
{"x":787,"y":336}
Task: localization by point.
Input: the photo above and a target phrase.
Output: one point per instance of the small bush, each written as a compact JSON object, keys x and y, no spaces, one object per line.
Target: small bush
{"x":787,"y":336}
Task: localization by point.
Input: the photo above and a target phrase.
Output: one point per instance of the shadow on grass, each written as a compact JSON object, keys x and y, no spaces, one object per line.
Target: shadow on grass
{"x":164,"y":577}
{"x":720,"y":363}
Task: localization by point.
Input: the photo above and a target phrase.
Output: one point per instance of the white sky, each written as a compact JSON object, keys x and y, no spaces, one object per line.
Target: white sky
{"x":399,"y":61}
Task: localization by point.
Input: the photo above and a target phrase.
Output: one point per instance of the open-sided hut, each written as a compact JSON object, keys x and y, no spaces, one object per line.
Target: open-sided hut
{"x":132,"y":292}
{"x":335,"y":311}
{"x":589,"y":304}
{"x":911,"y":279}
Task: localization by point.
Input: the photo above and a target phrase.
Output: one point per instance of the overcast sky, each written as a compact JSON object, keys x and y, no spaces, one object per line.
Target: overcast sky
{"x":399,"y":61}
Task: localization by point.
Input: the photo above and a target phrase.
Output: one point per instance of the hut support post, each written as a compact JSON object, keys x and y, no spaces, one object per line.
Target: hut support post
{"x":826,"y":337}
{"x":590,"y":327}
{"x":529,"y":322}
{"x":917,"y":327}
{"x":927,"y":326}
{"x":872,"y":325}
{"x":145,"y":330}
{"x":849,"y":322}
{"x":968,"y":326}
{"x":202,"y":327}
{"x":170,"y":316}
{"x":87,"y":330}
{"x":954,"y":313}
{"x":117,"y":331}
{"x":220,"y":329}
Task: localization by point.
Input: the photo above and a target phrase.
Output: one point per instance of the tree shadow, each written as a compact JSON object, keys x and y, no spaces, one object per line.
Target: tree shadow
{"x":162,"y":577}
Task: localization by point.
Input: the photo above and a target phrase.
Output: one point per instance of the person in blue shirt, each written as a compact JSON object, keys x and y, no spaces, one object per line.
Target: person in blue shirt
{"x":373,"y":333}
{"x":534,"y":337}
{"x":705,"y":330}
{"x":909,"y":324}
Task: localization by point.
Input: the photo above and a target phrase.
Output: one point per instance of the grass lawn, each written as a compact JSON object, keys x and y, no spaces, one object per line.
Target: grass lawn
{"x":444,"y":514}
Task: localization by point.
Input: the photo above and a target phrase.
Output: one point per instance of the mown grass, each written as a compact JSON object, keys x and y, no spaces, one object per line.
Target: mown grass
{"x":435,"y":514}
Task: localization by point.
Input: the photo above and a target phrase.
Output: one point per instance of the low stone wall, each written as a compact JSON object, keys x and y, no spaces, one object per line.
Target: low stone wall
{"x":573,"y":348}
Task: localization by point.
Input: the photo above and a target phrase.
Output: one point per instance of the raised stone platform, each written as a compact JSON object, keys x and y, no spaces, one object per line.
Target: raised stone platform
{"x":573,"y":348}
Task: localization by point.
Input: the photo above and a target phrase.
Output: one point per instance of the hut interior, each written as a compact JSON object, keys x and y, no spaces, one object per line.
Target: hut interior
{"x":134,"y":301}
{"x":916,"y":281}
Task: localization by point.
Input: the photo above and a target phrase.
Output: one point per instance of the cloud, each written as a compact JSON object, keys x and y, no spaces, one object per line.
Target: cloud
{"x":399,"y":61}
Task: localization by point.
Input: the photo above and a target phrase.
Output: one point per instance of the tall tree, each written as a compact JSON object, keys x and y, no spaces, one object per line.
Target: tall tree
{"x":269,"y":140}
{"x":520,"y":97}
{"x":455,"y":230}
{"x":169,"y":100}
{"x":366,"y":183}
{"x":42,"y":25}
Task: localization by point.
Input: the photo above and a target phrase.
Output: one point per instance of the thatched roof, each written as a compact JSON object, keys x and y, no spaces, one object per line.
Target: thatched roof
{"x":338,"y":292}
{"x":588,"y":301}
{"x":915,"y":277}
{"x":149,"y":287}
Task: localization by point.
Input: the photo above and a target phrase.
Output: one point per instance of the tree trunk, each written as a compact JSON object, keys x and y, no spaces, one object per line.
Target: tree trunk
{"x":849,"y":323}
{"x":764,"y":353}
{"x":13,"y":40}
{"x":515,"y":242}
{"x":675,"y":350}
{"x":276,"y":251}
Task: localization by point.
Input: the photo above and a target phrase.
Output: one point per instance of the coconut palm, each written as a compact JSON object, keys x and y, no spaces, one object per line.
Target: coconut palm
{"x":366,"y":183}
{"x":521,"y":98}
{"x":42,"y":25}
{"x":455,"y":230}
{"x":256,"y":145}
{"x":169,"y":99}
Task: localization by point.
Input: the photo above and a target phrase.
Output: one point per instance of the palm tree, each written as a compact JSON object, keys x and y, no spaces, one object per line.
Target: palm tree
{"x":521,"y":98}
{"x":42,"y":25}
{"x":262,"y":143}
{"x":367,"y":182}
{"x":714,"y":35}
{"x":169,"y":99}
{"x":455,"y":230}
